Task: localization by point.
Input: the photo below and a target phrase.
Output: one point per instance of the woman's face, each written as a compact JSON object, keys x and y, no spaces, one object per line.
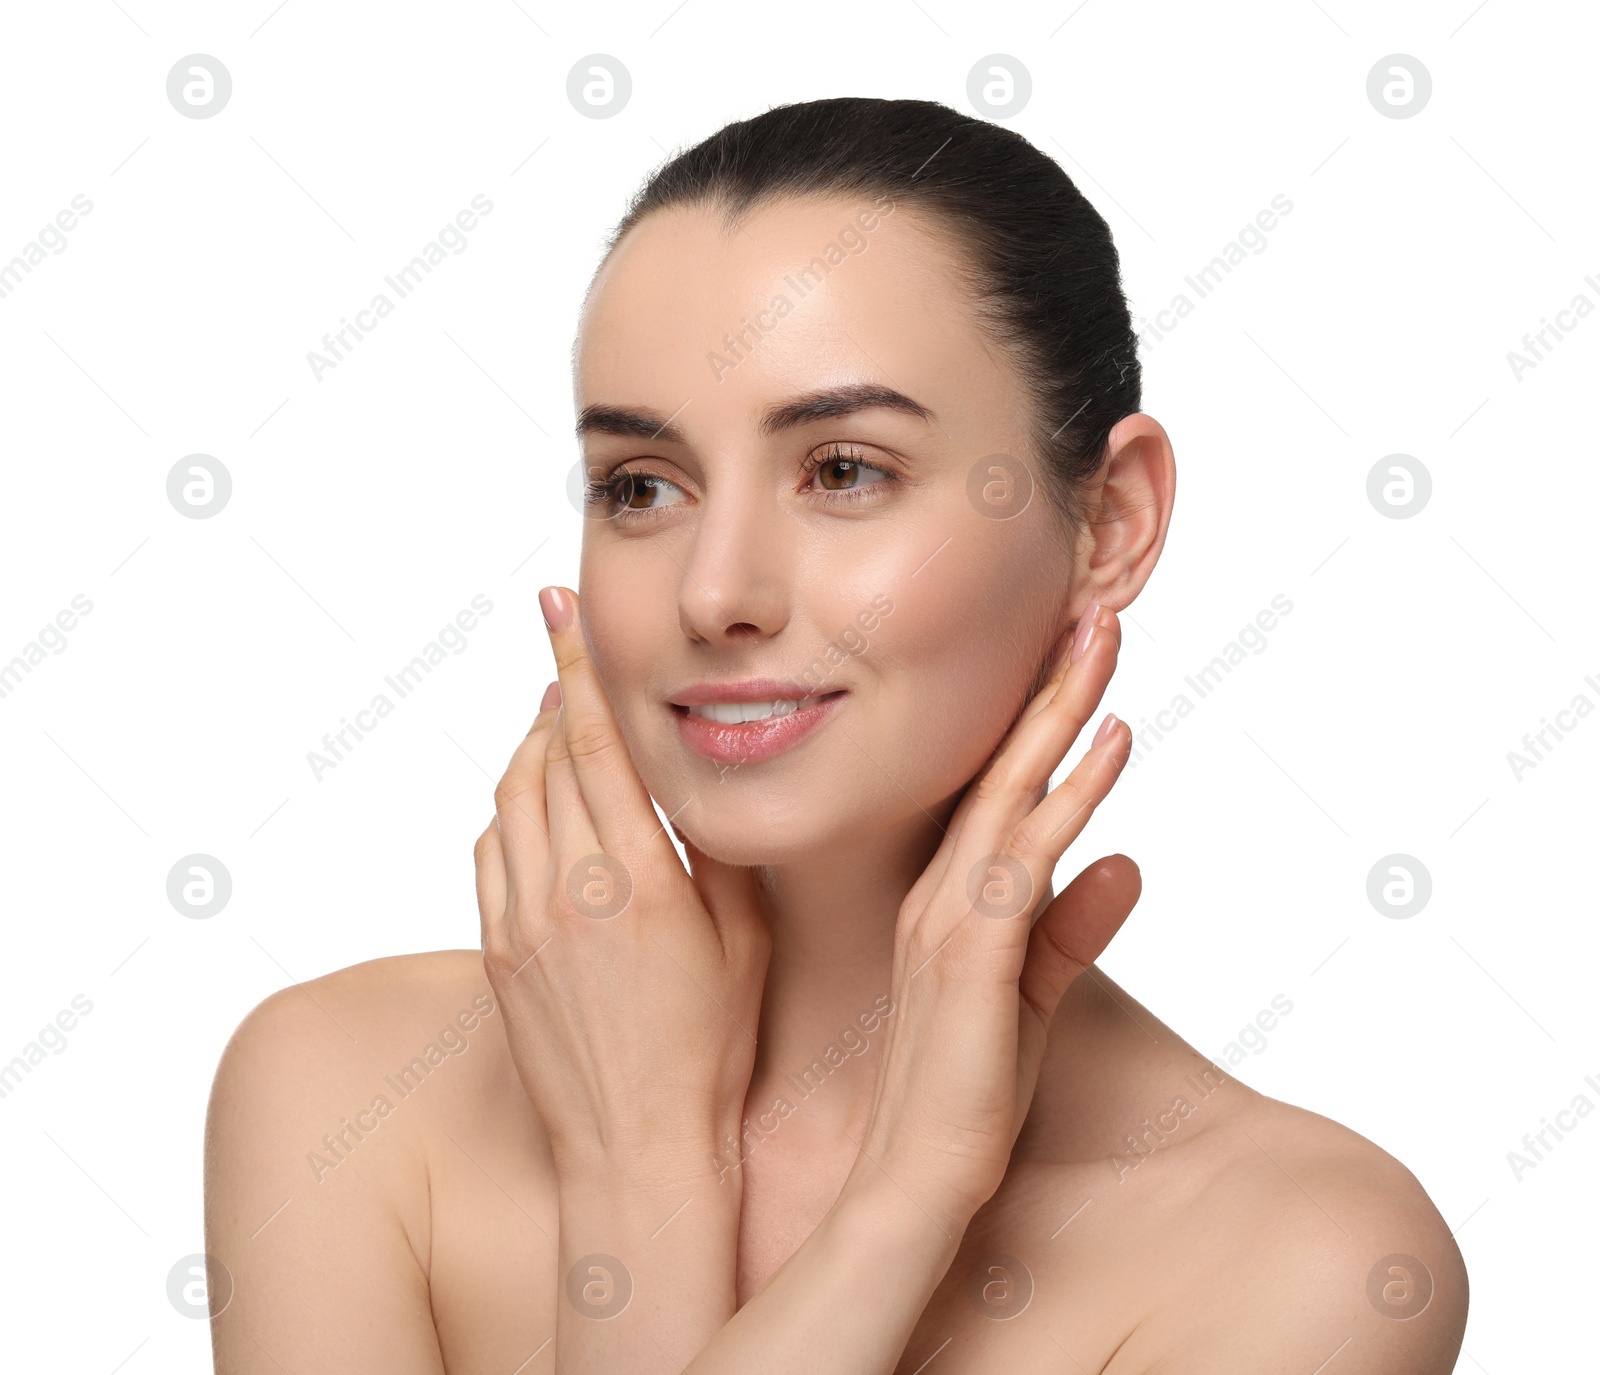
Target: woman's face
{"x":767,"y":531}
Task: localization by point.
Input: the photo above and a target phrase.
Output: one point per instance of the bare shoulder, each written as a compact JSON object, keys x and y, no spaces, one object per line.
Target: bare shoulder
{"x":389,"y":984}
{"x":338,"y":1057}
{"x":317,"y":1177}
{"x":1304,"y":1241}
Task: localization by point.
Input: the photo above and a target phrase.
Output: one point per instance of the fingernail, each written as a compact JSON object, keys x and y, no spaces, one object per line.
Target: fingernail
{"x":1086,"y":628}
{"x":552,"y":696}
{"x":556,"y":608}
{"x":1106,"y":727}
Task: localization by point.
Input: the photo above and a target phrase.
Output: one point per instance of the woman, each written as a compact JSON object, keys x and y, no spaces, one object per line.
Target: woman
{"x":869,"y":481}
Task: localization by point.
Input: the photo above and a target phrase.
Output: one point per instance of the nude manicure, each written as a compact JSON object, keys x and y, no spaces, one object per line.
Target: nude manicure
{"x":557,"y":610}
{"x":1085,"y":633}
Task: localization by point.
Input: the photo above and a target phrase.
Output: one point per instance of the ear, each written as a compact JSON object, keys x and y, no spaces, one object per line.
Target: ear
{"x":1130,"y":506}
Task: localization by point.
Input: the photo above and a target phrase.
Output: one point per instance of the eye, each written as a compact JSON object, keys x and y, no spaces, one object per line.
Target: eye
{"x":840,"y":469}
{"x":626,"y":495}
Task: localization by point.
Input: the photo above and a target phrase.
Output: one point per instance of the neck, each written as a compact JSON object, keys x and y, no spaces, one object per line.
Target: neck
{"x":828,"y":1002}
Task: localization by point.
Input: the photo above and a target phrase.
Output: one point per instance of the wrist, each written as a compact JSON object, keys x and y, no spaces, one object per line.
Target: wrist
{"x":656,"y":1226}
{"x":694,"y":1165}
{"x":910,"y":1213}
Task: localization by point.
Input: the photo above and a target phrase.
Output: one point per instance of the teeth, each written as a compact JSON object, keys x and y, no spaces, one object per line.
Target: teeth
{"x":735,"y":713}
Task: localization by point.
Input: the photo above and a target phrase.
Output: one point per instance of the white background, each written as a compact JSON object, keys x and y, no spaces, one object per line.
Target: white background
{"x":369,"y":507}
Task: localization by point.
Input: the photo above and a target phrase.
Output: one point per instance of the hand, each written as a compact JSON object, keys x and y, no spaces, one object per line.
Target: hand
{"x":630,"y":990}
{"x":977,"y":977}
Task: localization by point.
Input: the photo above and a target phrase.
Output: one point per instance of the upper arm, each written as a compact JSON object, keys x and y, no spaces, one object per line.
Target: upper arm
{"x":324,"y":1274}
{"x":1343,"y":1264}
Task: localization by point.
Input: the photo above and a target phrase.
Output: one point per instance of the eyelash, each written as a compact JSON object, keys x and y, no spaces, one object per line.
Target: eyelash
{"x":603,"y":491}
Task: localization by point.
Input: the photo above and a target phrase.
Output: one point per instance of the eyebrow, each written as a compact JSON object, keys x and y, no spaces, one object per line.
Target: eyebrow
{"x":640,"y":422}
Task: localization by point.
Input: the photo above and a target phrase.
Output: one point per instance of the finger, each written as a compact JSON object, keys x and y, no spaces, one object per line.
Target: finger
{"x":519,"y":802}
{"x":1075,"y":928}
{"x":618,"y":803}
{"x":1042,"y":837}
{"x":956,"y":839}
{"x":489,"y":862}
{"x":1106,"y":623}
{"x":1009,"y":788}
{"x":731,"y":893}
{"x":572,"y":830}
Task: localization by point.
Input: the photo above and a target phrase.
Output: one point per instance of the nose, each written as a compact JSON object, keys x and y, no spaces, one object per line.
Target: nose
{"x":735,"y":586}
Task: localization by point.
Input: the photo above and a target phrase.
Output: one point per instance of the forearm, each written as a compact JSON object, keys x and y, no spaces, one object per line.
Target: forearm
{"x":847,"y":1301}
{"x":647,"y":1257}
{"x":648,"y":1270}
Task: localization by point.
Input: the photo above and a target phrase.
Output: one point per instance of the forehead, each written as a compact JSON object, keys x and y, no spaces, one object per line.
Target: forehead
{"x":800,"y":293}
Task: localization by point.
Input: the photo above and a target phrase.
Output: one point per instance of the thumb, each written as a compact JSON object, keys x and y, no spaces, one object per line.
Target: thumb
{"x":1074,"y":929}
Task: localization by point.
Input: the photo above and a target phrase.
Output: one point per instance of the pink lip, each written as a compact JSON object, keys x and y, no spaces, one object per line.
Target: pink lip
{"x":749,"y":742}
{"x":745,"y":690}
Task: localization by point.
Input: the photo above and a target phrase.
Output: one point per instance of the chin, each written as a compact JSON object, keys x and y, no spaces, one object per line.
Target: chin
{"x":737,"y":829}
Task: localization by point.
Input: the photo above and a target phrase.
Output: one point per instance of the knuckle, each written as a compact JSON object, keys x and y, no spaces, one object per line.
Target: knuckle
{"x":588,"y":741}
{"x":512,"y":791}
{"x":1066,"y":951}
{"x":993,"y":784}
{"x":1026,"y":839}
{"x":568,"y":650}
{"x":497,"y":961}
{"x":555,"y":744}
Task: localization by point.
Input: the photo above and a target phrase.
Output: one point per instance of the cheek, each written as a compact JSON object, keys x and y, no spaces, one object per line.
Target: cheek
{"x":621,"y":626}
{"x":951,"y":662}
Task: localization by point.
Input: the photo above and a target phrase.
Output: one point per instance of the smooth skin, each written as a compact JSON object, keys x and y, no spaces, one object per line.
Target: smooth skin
{"x":1016,"y":1166}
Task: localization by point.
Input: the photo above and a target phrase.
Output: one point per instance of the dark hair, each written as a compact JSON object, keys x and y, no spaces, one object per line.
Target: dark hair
{"x":1041,"y":262}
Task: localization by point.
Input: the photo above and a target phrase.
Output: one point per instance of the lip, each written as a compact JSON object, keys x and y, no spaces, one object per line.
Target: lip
{"x":744,"y":690}
{"x":750,"y":742}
